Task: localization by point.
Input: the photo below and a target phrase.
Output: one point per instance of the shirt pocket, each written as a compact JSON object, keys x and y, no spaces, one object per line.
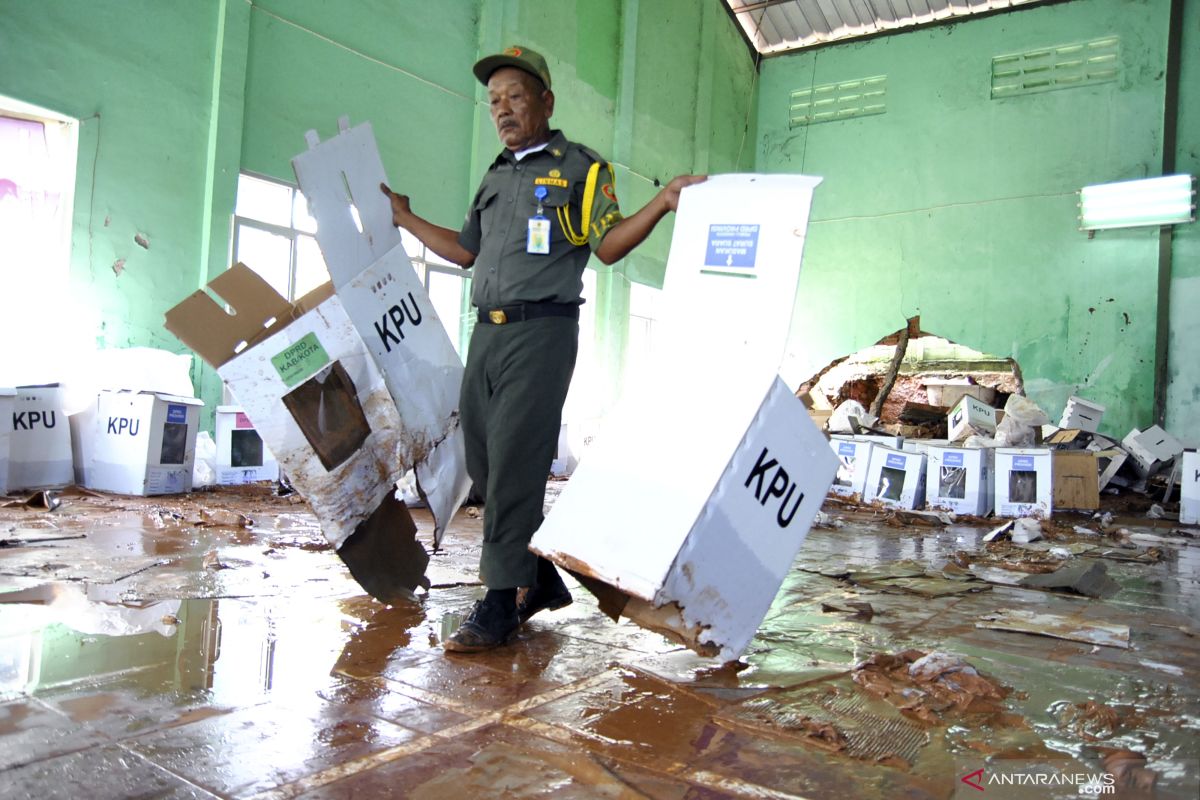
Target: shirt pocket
{"x":487,"y":208}
{"x":557,"y":207}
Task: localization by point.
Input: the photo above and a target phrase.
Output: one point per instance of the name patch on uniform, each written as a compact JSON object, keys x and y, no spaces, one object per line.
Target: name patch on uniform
{"x":560,"y":182}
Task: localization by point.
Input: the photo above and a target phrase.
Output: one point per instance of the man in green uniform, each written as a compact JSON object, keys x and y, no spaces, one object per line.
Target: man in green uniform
{"x":545,"y":205}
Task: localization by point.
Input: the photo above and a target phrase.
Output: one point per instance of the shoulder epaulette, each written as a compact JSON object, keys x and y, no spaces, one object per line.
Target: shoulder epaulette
{"x":590,"y":153}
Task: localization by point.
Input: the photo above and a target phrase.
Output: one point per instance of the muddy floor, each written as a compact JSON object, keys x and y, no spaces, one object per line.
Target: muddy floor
{"x":213,"y":645}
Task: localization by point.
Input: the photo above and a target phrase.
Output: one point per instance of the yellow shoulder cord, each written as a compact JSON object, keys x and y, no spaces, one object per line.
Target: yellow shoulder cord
{"x":564,"y":216}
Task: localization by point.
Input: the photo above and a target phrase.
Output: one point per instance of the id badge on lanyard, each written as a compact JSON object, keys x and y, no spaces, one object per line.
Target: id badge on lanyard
{"x":538,"y":240}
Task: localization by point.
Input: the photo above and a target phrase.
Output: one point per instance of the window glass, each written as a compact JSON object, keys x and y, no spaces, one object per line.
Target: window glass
{"x":265,"y":201}
{"x":310,"y":266}
{"x":301,"y":219}
{"x":445,"y":292}
{"x":268,"y":254}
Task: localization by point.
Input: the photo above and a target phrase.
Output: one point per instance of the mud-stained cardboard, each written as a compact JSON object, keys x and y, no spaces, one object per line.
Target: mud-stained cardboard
{"x":391,"y":309}
{"x":313,"y":392}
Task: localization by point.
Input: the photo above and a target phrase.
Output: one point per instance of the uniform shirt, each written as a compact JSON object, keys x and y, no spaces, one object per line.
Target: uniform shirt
{"x":497,"y":224}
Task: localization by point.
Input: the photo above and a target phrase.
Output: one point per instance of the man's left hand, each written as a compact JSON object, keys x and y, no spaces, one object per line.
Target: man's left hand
{"x":670,"y":192}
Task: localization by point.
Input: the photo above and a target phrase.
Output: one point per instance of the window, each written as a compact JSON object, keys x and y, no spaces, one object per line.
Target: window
{"x":274,"y":235}
{"x":37,"y":190}
{"x":643,"y":311}
{"x":449,"y":288}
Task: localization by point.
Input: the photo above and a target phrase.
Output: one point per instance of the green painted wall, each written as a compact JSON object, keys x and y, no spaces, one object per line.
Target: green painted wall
{"x":189,"y":94}
{"x":139,"y":76}
{"x":961,"y":208}
{"x":947,"y":204}
{"x":1183,"y":361}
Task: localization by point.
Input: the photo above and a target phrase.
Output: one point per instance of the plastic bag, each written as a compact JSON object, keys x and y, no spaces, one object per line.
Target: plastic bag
{"x":839,"y":420}
{"x":204,"y":470}
{"x":1021,"y":417}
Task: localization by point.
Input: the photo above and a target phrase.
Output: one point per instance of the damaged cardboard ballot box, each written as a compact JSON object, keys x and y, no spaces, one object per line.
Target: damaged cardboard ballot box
{"x":390,"y":307}
{"x":305,"y":378}
{"x":698,"y":551}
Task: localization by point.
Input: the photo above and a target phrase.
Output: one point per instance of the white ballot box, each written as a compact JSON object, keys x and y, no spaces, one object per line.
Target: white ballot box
{"x":699,"y":551}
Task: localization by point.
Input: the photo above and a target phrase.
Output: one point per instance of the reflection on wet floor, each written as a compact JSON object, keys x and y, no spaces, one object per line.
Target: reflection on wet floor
{"x":213,"y":645}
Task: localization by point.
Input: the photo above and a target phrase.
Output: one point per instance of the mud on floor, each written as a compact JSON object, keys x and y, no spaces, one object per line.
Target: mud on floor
{"x":213,"y":645}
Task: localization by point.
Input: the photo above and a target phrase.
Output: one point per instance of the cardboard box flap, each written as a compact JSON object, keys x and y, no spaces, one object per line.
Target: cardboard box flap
{"x":215,"y":335}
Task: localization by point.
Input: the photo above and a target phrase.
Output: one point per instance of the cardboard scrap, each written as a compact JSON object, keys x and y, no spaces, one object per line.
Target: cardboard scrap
{"x":1076,"y":479}
{"x":857,"y":609}
{"x":1057,"y":626}
{"x":943,"y":683}
{"x":1089,"y":579}
{"x":44,"y":500}
{"x":913,"y":578}
{"x":1129,"y":770}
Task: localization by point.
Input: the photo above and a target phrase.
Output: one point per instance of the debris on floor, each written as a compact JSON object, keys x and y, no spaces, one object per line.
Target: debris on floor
{"x":1057,"y":625}
{"x":852,"y":687}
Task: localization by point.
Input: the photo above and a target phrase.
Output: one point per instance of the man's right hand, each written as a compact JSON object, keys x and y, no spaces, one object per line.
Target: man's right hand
{"x":401,"y":210}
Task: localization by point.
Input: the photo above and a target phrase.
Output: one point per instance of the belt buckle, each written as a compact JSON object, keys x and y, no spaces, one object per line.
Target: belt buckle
{"x":497,"y":316}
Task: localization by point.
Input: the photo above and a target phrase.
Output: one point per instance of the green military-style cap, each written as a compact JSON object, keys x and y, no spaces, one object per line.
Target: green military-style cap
{"x":520,"y":57}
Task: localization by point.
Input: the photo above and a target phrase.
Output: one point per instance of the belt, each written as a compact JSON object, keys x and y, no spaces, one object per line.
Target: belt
{"x":518,"y":312}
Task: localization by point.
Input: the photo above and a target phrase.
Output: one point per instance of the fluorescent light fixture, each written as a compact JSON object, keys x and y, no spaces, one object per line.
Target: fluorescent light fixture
{"x":1152,"y":201}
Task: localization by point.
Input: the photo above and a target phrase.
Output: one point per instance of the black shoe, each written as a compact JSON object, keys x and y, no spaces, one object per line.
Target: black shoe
{"x":487,"y":627}
{"x":542,"y":598}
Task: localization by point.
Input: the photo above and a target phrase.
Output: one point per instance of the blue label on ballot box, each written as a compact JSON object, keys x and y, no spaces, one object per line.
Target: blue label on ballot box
{"x":176,"y":413}
{"x":953,"y":460}
{"x":731,"y":245}
{"x":896,"y":462}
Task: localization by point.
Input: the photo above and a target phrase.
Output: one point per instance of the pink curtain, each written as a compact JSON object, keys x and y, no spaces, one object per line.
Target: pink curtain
{"x":29,"y":197}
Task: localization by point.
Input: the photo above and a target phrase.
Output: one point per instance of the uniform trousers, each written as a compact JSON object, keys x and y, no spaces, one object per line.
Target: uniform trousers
{"x":513,"y":390}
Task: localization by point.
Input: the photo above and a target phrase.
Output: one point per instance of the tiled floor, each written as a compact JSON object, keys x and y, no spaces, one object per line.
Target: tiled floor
{"x":160,"y":656}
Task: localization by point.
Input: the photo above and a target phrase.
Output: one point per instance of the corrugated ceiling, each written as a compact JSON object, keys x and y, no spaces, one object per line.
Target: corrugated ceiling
{"x":776,"y":26}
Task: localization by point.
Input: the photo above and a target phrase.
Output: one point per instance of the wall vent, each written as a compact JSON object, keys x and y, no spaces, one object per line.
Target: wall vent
{"x":1062,"y":67}
{"x":833,"y":101}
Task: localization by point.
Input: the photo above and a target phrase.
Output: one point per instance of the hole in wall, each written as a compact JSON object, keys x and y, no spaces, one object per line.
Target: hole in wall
{"x":933,"y":375}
